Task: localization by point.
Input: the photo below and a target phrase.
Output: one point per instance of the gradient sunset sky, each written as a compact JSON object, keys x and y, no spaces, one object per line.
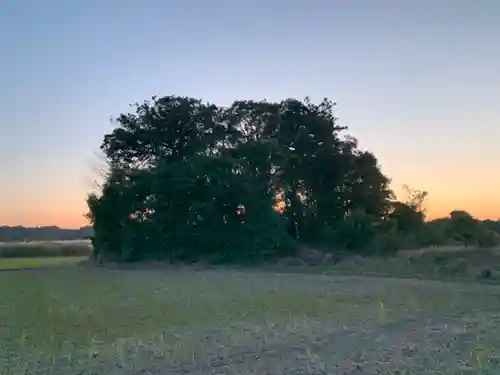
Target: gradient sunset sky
{"x":417,"y":82}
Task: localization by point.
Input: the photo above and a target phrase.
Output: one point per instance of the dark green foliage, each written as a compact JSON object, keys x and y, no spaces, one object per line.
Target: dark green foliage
{"x":406,"y":218}
{"x":204,"y":210}
{"x":432,"y":235}
{"x":461,"y":228}
{"x":487,"y":238}
{"x":190,"y":181}
{"x":357,"y":232}
{"x":386,"y":243}
{"x":492,"y":225}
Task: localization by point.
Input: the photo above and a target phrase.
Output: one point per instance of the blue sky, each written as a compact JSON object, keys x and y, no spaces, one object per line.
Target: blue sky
{"x":416,"y":82}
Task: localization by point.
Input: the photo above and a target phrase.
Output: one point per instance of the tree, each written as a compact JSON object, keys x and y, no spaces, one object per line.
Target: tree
{"x":415,"y":199}
{"x":408,"y":215}
{"x":189,"y":180}
{"x":169,"y":128}
{"x":466,"y":229}
{"x":462,"y":226}
{"x":493,"y":225}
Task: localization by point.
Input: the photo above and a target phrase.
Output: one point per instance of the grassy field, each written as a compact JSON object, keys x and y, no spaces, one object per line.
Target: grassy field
{"x":36,"y":249}
{"x":80,"y":320}
{"x":28,"y":263}
{"x":442,"y":263}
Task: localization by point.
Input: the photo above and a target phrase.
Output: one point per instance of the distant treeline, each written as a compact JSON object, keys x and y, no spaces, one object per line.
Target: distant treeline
{"x":48,"y":233}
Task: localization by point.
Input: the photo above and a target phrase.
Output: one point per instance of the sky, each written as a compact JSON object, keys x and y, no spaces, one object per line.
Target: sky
{"x":417,"y":82}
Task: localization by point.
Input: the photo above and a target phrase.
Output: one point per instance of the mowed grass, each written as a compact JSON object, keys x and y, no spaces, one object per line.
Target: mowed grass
{"x":180,"y":321}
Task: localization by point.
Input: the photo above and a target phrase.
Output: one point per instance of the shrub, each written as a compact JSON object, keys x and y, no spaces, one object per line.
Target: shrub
{"x":486,"y":238}
{"x":432,"y":236}
{"x":356,"y":233}
{"x":386,"y":243}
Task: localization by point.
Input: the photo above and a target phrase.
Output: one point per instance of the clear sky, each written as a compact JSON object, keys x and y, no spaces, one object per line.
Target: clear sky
{"x":417,"y":82}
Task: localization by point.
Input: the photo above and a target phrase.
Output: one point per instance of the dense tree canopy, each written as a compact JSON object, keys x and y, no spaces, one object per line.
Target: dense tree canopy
{"x":191,"y":181}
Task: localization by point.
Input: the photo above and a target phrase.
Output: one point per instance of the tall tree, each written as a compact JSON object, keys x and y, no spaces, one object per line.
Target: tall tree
{"x":168,"y":128}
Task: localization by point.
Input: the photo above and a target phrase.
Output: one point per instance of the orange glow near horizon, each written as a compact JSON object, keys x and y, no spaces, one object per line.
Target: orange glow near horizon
{"x":68,"y":213}
{"x":71,"y":215}
{"x":68,"y":210}
{"x":75,"y":218}
{"x":38,"y":219}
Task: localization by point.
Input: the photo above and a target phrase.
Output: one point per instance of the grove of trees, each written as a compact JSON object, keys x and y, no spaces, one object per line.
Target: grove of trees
{"x":188,"y":181}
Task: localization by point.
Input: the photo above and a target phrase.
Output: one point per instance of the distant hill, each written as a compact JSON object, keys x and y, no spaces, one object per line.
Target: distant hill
{"x":49,"y":233}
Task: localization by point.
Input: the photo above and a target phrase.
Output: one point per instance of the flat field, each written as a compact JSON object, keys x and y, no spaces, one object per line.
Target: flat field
{"x":82,"y":320}
{"x":38,"y":262}
{"x":45,"y":249}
